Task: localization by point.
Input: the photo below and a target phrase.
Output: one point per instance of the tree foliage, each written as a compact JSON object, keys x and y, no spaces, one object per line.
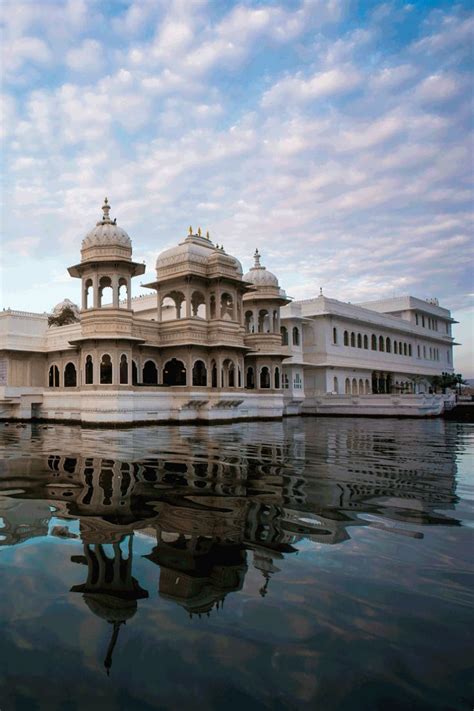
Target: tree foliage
{"x":448,"y":380}
{"x":63,"y":318}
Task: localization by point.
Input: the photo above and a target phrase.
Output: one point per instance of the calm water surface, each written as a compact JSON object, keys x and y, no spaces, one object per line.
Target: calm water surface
{"x":309,"y":564}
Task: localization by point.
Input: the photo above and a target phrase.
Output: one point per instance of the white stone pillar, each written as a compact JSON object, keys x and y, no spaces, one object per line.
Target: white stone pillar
{"x":115,"y":288}
{"x":95,"y":288}
{"x":129,"y":292}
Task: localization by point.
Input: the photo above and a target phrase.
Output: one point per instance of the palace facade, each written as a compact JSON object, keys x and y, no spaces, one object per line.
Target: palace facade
{"x":213,"y":344}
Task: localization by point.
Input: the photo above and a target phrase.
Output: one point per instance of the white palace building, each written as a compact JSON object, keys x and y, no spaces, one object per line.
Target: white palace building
{"x":210,"y":344}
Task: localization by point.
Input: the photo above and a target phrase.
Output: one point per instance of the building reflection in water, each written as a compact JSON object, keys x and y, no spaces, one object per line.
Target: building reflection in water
{"x":206,"y":513}
{"x":110,"y":591}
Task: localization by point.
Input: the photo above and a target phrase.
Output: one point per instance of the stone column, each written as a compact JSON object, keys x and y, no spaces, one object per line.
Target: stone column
{"x":95,"y":288}
{"x":129,"y":292}
{"x":158,"y":305}
{"x":115,"y":288}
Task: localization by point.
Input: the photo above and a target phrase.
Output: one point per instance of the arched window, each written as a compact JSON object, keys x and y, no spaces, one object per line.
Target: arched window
{"x":336,"y":385}
{"x":105,"y":291}
{"x":347,"y":386}
{"x":346,"y":338}
{"x":227,"y":307}
{"x":249,"y":322}
{"x":89,"y":370}
{"x":284,"y":336}
{"x":334,"y":336}
{"x":361,"y":386}
{"x":395,"y":347}
{"x":212,"y":306}
{"x":296,"y":336}
{"x":198,"y":305}
{"x":150,"y":373}
{"x":409,"y":351}
{"x":359,"y":341}
{"x":285,"y":381}
{"x":239,"y":372}
{"x":199,"y":374}
{"x":123,"y":292}
{"x":250,"y":379}
{"x":106,"y":370}
{"x":367,"y":387}
{"x":214,"y":374}
{"x":171,"y":306}
{"x":88,"y":286}
{"x":134,"y":373}
{"x":265,"y":377}
{"x":388,"y":345}
{"x":54,"y":377}
{"x":277,"y":378}
{"x":123,"y":370}
{"x":381,"y":344}
{"x":70,"y":376}
{"x":174,"y":373}
{"x":263,"y":321}
{"x":366,"y":342}
{"x":374,"y":342}
{"x":275,"y":321}
{"x":354,"y":386}
{"x":353,"y":339}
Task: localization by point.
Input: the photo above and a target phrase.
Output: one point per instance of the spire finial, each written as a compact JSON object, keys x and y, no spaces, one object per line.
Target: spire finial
{"x":320,"y":291}
{"x":199,"y":231}
{"x":190,"y":230}
{"x":207,"y":235}
{"x":256,"y":257}
{"x":106,"y":210}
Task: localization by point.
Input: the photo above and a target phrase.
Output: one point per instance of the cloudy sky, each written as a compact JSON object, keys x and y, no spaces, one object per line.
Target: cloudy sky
{"x":334,"y":135}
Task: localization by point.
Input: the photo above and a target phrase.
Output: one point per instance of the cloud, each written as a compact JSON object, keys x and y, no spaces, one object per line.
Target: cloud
{"x":297,"y":90}
{"x":87,"y":57}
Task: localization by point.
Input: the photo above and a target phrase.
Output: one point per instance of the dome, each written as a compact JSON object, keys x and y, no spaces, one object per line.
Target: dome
{"x":198,"y":254}
{"x":106,"y":232}
{"x":260,"y":276}
{"x":66,"y":304}
{"x":194,"y":248}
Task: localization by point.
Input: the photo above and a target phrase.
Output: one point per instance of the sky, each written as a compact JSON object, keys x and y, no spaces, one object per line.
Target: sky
{"x":335,"y":136}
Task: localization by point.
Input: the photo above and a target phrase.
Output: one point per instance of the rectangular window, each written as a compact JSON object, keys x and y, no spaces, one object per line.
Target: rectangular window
{"x":422,"y":320}
{"x":416,"y":319}
{"x":418,"y":349}
{"x":424,"y":351}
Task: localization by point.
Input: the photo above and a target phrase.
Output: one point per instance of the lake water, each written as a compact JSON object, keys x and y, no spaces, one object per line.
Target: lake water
{"x":303,"y":564}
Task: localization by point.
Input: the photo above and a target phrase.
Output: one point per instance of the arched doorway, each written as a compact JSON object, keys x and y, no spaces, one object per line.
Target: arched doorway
{"x":250,"y":379}
{"x":89,"y":370}
{"x":150,"y":373}
{"x":123,"y":369}
{"x":174,"y":373}
{"x":199,"y":374}
{"x":70,"y":377}
{"x":265,"y":377}
{"x":106,"y":370}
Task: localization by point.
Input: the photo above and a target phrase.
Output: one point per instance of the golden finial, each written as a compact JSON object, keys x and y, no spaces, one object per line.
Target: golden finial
{"x":207,"y":235}
{"x":199,"y":231}
{"x":190,"y":230}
